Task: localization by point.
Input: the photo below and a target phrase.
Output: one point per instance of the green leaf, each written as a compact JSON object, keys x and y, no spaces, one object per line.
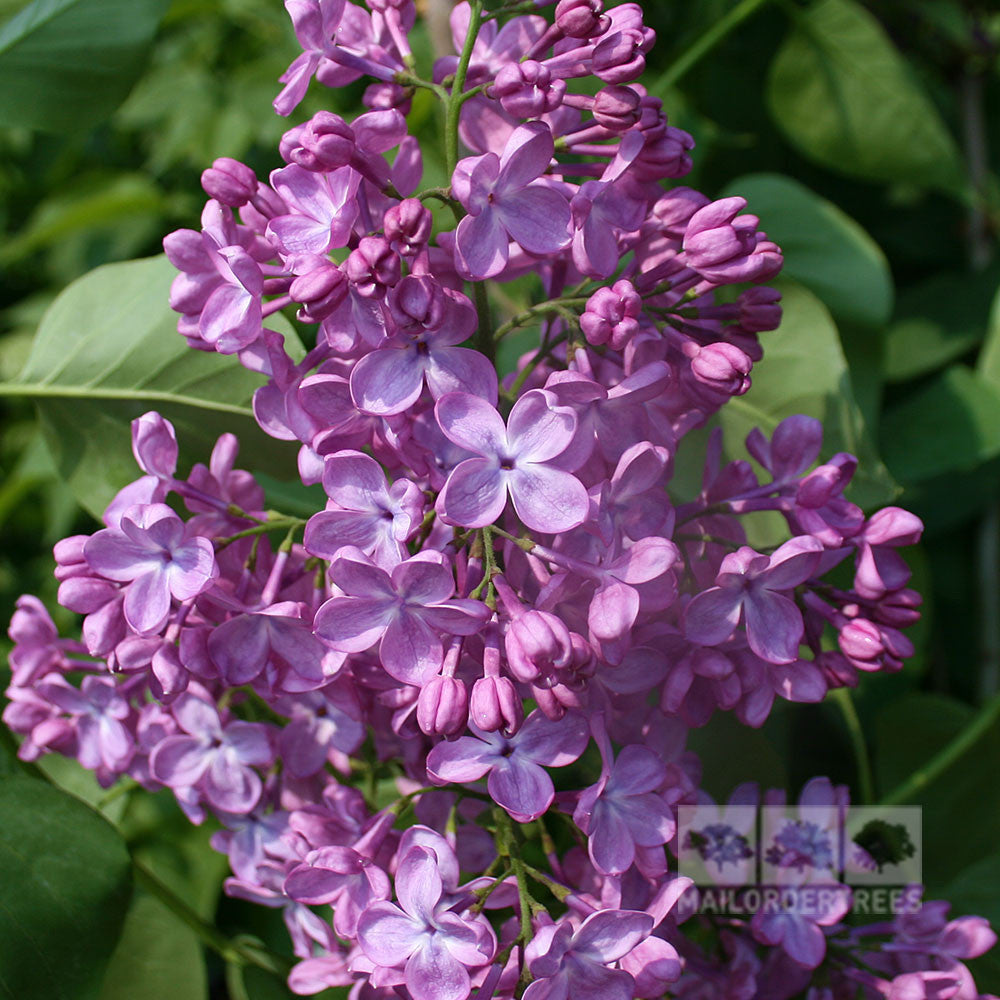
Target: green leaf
{"x":106,"y":352}
{"x":158,"y":957}
{"x":67,"y":64}
{"x":988,"y":365}
{"x":951,"y":424}
{"x":844,"y":96}
{"x":64,"y":892}
{"x":96,"y":203}
{"x":961,"y":811}
{"x":939,"y":320}
{"x":824,"y":249}
{"x":804,"y":371}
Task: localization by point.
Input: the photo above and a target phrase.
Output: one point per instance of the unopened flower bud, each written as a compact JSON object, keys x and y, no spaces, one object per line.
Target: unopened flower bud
{"x":861,"y":642}
{"x":620,"y":57}
{"x":616,"y":108}
{"x":323,"y":143}
{"x":386,"y":97}
{"x":527,"y":90}
{"x":320,"y":291}
{"x":495,"y":705}
{"x":899,"y":608}
{"x":537,"y":643}
{"x":666,"y":156}
{"x":408,"y":226}
{"x":417,"y":303}
{"x":154,"y":445}
{"x":722,"y":367}
{"x":611,"y":316}
{"x":443,"y":706}
{"x":759,"y":309}
{"x":69,"y":551}
{"x":581,"y":18}
{"x":373,"y":267}
{"x":230,"y":182}
{"x":674,"y":210}
{"x":826,"y":481}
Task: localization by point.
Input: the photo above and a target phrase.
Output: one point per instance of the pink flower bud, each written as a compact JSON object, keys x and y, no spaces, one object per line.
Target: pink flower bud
{"x":722,"y":367}
{"x":826,"y":482}
{"x":373,"y":267}
{"x":443,"y":706}
{"x":408,"y":226}
{"x":417,"y":303}
{"x":674,"y":210}
{"x":527,"y":90}
{"x":320,"y":291}
{"x":616,"y":108}
{"x":230,"y":182}
{"x":69,"y":551}
{"x":899,"y":608}
{"x":537,"y":643}
{"x":495,"y":705}
{"x":666,"y":156}
{"x":386,"y":97}
{"x":581,"y":18}
{"x":611,"y":316}
{"x":861,"y":642}
{"x":759,"y":309}
{"x":620,"y":57}
{"x":154,"y":445}
{"x":323,"y":143}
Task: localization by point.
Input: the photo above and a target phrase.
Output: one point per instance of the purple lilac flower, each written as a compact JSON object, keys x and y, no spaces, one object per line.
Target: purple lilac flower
{"x":568,"y":962}
{"x":516,"y":764}
{"x":218,"y":758}
{"x":364,"y":511}
{"x":435,"y":946}
{"x":512,"y":460}
{"x":506,"y":201}
{"x":403,"y":612}
{"x":150,"y":553}
{"x":750,"y":584}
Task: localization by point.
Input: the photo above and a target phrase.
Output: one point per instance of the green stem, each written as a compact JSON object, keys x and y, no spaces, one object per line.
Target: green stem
{"x":941,"y":761}
{"x":410,"y":80}
{"x":38,"y":391}
{"x":484,"y":340}
{"x":541,"y":309}
{"x":708,"y":41}
{"x":235,"y":951}
{"x":862,"y":759}
{"x":291,"y":524}
{"x":455,"y":99}
{"x":542,"y":354}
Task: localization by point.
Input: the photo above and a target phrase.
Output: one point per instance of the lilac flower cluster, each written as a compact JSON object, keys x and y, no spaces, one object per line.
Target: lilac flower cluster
{"x":502,"y":579}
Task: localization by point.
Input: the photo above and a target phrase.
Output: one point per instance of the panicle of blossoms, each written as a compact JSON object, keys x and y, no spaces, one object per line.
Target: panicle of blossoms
{"x":503,"y":586}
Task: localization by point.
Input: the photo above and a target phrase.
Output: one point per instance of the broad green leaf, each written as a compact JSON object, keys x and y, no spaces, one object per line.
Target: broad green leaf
{"x":67,"y":64}
{"x":178,"y":853}
{"x":804,"y":371}
{"x":951,"y":424}
{"x":106,"y":352}
{"x":732,"y":753}
{"x":938,"y":321}
{"x":158,"y":957}
{"x":824,"y":249}
{"x":961,"y":811}
{"x":65,"y":883}
{"x":96,"y":204}
{"x":988,"y":365}
{"x":844,"y":96}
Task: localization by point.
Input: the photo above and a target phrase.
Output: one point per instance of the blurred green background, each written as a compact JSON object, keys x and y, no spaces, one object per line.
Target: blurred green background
{"x":865,"y":136}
